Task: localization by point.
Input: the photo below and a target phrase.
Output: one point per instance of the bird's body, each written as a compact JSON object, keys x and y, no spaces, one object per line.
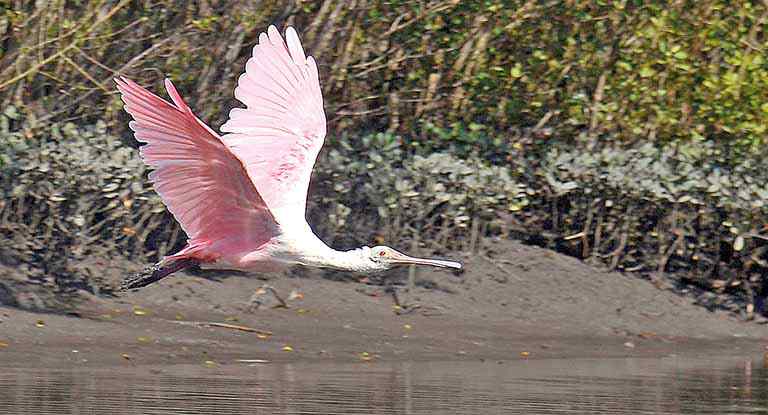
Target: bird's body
{"x":290,"y":247}
{"x":241,"y":197}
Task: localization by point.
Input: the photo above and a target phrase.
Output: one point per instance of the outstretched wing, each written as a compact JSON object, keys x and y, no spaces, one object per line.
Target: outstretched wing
{"x":280,"y":133}
{"x":201,"y":182}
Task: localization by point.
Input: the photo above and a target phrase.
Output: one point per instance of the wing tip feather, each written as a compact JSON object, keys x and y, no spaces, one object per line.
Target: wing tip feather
{"x":175,"y":96}
{"x":294,"y":46}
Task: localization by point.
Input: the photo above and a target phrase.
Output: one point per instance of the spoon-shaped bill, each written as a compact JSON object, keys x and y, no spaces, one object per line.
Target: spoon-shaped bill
{"x":403,"y":259}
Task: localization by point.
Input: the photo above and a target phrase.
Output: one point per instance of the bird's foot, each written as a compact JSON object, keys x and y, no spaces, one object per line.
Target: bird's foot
{"x":260,"y":299}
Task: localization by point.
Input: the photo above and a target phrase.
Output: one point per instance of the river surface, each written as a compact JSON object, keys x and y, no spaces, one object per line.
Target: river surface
{"x":615,"y":386}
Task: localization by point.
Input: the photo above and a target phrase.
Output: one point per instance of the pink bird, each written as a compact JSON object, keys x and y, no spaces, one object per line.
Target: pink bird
{"x":241,"y":197}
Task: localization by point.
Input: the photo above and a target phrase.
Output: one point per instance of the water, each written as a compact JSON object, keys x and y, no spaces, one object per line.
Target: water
{"x":614,"y":386}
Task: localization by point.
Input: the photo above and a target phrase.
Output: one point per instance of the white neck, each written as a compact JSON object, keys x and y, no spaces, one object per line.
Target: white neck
{"x":303,"y":247}
{"x":352,"y":260}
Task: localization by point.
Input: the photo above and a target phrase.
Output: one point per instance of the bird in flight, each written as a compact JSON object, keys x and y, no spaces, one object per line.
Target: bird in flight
{"x":241,"y":197}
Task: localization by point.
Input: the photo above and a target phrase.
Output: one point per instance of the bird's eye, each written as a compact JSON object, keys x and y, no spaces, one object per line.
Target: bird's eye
{"x":382,"y":253}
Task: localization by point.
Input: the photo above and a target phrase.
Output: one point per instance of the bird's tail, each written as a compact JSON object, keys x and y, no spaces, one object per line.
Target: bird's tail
{"x":156,"y":272}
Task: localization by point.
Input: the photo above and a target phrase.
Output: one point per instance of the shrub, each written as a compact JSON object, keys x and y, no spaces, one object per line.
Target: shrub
{"x":75,"y":194}
{"x":594,"y":72}
{"x":377,"y":191}
{"x":694,"y":212}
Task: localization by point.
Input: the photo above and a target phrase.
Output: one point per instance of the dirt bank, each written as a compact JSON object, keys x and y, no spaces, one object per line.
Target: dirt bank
{"x":526,"y":302}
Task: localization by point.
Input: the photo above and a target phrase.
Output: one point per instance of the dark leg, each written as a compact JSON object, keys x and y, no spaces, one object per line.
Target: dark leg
{"x":155,"y":273}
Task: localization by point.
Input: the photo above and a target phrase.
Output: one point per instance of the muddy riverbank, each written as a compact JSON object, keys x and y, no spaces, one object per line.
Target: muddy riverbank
{"x":522,"y":303}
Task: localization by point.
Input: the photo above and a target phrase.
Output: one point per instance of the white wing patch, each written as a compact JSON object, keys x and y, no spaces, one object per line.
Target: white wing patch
{"x":280,"y":132}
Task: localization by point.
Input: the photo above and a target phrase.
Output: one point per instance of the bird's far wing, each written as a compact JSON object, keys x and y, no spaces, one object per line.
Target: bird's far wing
{"x":201,"y":182}
{"x":280,"y":133}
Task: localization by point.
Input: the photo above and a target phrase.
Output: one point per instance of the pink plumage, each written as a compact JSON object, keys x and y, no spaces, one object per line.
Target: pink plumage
{"x":201,"y":182}
{"x":282,"y":129}
{"x":241,"y":198}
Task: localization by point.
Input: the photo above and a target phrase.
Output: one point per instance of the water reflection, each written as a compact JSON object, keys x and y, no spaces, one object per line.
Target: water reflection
{"x":628,"y":386}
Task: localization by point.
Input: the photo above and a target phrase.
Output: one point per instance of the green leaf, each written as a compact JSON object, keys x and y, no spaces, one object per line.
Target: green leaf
{"x":647,"y":72}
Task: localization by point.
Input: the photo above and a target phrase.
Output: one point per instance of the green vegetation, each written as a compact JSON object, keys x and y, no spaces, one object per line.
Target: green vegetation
{"x":670,"y":211}
{"x":595,"y":72}
{"x":624,"y":132}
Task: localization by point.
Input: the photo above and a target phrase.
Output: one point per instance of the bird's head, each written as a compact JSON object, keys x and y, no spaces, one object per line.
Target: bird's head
{"x":384,"y":257}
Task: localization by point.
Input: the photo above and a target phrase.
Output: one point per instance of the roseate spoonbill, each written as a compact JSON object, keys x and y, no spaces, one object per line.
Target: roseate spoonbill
{"x":241,"y":197}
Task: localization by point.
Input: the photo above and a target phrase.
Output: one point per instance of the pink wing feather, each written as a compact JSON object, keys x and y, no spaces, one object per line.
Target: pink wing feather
{"x":201,"y":182}
{"x":280,"y":133}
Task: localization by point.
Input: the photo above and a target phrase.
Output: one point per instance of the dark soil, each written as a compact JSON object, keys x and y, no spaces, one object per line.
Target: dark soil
{"x":525,"y":302}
